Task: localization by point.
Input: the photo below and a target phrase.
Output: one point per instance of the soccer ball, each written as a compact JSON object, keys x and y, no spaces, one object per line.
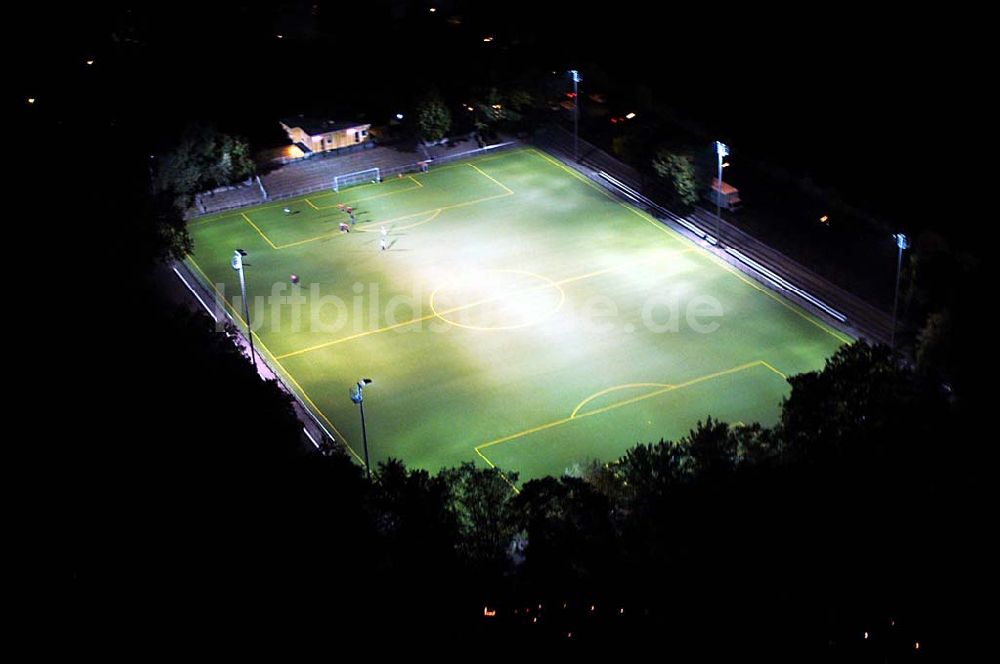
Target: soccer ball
{"x":295,"y":278}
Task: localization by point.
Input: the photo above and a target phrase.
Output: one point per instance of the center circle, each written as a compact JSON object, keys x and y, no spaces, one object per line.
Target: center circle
{"x":517,"y":290}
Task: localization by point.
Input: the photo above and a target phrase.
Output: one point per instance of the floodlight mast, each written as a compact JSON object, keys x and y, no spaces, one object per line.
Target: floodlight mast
{"x":237,"y":263}
{"x":359,"y":398}
{"x":576,"y":113}
{"x":722,"y":151}
{"x":903,"y":243}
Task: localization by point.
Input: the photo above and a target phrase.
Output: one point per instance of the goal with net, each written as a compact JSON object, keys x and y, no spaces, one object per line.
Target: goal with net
{"x":367,"y":176}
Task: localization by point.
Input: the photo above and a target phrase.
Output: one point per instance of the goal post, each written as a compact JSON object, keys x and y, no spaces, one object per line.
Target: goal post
{"x":369,"y":175}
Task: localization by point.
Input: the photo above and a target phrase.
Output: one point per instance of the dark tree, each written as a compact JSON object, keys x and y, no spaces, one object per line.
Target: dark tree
{"x":433,"y":118}
{"x":204,"y":158}
{"x":480,"y":500}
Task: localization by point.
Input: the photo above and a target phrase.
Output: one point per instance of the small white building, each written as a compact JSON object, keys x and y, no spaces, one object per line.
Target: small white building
{"x":314,"y":135}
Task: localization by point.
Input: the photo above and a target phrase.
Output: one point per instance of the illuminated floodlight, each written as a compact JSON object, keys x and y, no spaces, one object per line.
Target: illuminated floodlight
{"x":358,"y":397}
{"x":399,"y":116}
{"x":31,"y":100}
{"x":630,"y":116}
{"x":722,"y":150}
{"x":238,"y":265}
{"x":575,"y":75}
{"x":903,"y":243}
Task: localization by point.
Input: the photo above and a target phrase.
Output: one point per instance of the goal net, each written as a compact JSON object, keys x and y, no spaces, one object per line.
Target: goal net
{"x":358,"y":177}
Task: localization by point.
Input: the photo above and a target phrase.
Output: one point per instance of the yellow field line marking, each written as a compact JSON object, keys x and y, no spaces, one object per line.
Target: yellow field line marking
{"x":364,"y":227}
{"x":357,"y":186}
{"x":493,"y":179}
{"x":357,"y":335}
{"x":774,"y":370}
{"x":502,"y":474}
{"x":286,"y":372}
{"x":311,"y":204}
{"x":507,"y":192}
{"x":548,"y":283}
{"x":721,"y":263}
{"x":209,"y":218}
{"x":390,"y":221}
{"x":618,"y":404}
{"x":477,"y":160}
{"x":355,"y":201}
{"x":266,"y":238}
{"x":461,"y":307}
{"x":575,"y":174}
{"x":202,"y":221}
{"x":613,"y":389}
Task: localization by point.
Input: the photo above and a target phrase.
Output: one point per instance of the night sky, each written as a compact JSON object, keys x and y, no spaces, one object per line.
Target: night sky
{"x":878,"y":106}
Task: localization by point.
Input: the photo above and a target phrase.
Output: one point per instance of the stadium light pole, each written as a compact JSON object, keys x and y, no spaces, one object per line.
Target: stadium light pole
{"x":903,"y":243}
{"x":576,"y":113}
{"x":722,"y":151}
{"x":238,"y":266}
{"x":358,"y":397}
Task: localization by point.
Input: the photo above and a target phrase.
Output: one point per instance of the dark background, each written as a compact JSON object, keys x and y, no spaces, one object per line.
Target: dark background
{"x":143,"y":489}
{"x":884,"y":106}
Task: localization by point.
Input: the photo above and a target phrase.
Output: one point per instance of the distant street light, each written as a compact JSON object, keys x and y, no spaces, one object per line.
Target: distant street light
{"x":238,"y":266}
{"x":722,"y":150}
{"x":576,"y":113}
{"x":358,"y":397}
{"x":399,"y":116}
{"x":903,"y":243}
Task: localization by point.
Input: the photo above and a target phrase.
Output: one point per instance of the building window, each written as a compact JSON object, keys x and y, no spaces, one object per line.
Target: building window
{"x":357,"y":137}
{"x":364,"y":132}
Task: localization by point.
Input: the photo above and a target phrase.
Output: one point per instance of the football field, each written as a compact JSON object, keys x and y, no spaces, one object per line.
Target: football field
{"x":517,"y":316}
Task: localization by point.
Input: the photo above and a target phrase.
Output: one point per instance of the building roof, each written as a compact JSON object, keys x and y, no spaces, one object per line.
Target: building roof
{"x":727,"y":189}
{"x":315,"y":126}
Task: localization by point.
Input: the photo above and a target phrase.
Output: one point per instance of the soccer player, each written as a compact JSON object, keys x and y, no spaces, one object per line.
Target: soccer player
{"x":381,"y":244}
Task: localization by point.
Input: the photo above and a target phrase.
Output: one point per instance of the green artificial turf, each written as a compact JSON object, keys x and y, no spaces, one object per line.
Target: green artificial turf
{"x":507,"y":320}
